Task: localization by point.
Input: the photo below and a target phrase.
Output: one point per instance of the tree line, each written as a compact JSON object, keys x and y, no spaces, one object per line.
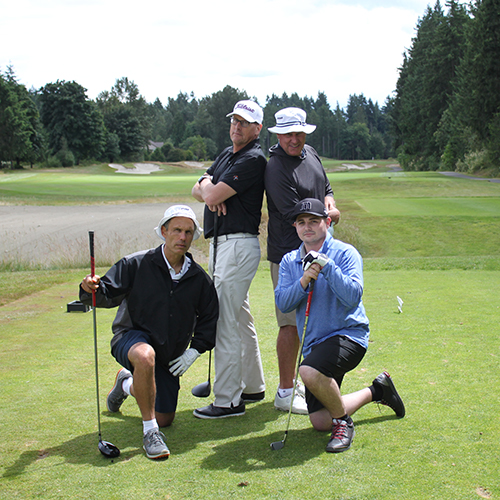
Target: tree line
{"x":57,"y":125}
{"x":446,"y":109}
{"x":443,"y":114}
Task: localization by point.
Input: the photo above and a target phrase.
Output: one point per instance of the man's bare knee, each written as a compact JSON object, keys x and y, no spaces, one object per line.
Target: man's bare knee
{"x":142,"y":355}
{"x":308,"y":374}
{"x":321,"y":420}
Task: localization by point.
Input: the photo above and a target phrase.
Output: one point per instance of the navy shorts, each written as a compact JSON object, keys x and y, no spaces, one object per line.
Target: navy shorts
{"x":333,"y":357}
{"x":167,"y":386}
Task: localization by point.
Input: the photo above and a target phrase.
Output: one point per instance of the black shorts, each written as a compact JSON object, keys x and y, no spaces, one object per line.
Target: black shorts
{"x":167,"y":386}
{"x":333,"y":357}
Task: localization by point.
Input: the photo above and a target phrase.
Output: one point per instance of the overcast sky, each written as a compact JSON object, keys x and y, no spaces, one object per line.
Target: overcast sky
{"x":338,"y":47}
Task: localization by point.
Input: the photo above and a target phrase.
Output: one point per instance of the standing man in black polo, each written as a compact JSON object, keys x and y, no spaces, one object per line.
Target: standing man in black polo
{"x":233,"y":189}
{"x":294,"y":172}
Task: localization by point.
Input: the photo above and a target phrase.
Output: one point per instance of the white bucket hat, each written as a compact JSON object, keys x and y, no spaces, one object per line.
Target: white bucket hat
{"x":248,"y":110}
{"x":291,"y":120}
{"x":179,"y":211}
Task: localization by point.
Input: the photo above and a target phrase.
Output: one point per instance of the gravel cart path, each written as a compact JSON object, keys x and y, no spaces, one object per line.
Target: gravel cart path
{"x":37,"y":234}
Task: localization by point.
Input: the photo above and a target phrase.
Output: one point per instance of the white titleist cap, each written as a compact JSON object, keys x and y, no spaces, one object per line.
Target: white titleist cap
{"x":291,"y":120}
{"x":179,"y":211}
{"x":248,"y":110}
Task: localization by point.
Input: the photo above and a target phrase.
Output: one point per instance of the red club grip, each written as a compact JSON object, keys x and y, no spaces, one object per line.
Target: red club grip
{"x":309,"y":297}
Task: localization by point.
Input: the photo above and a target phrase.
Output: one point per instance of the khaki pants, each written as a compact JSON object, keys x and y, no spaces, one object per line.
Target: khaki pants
{"x":238,"y":366}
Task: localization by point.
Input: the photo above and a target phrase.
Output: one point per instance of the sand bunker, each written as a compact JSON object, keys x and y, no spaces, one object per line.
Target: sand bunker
{"x":139,"y":168}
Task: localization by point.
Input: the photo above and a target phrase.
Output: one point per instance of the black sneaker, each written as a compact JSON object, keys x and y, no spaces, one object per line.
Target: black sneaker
{"x":342,"y":435}
{"x":212,"y":411}
{"x":390,"y":396}
{"x":254,"y":397}
{"x":116,"y":395}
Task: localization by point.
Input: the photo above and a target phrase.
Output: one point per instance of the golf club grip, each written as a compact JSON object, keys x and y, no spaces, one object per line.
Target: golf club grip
{"x":92,"y":262}
{"x":309,"y":296}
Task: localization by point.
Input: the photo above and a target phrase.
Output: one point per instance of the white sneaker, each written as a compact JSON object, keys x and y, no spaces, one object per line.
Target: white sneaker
{"x":300,"y":388}
{"x":299,"y":403}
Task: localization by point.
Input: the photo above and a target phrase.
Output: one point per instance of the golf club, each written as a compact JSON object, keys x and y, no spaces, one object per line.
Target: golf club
{"x":277,"y":445}
{"x":109,"y":450}
{"x":203,"y":390}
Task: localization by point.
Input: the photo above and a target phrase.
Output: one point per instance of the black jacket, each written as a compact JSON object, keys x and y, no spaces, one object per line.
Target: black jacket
{"x":172,"y":314}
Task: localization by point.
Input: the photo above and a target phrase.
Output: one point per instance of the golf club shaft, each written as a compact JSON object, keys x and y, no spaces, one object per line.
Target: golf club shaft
{"x":216,"y":234}
{"x":214,"y":259}
{"x":203,"y":390}
{"x":92,"y":273}
{"x":308,"y":306}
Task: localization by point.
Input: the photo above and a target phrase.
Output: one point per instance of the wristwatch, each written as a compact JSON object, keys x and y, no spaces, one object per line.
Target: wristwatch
{"x":204,"y":176}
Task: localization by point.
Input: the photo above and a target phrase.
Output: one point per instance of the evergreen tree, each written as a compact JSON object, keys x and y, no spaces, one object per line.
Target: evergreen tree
{"x":69,"y":116}
{"x":214,"y":123}
{"x":476,"y":105}
{"x":425,"y":85}
{"x":321,"y":116}
{"x":128,"y":117}
{"x":161,"y":121}
{"x":21,"y":134}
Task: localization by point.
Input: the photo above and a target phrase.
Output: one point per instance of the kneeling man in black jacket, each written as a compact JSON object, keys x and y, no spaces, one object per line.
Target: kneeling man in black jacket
{"x":167,"y":316}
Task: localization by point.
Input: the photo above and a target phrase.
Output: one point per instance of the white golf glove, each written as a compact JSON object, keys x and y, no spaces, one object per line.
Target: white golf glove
{"x":179,"y":366}
{"x":314,"y":258}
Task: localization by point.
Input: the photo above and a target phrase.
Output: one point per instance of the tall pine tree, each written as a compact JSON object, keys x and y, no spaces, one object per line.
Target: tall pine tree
{"x":425,"y":85}
{"x":476,"y":104}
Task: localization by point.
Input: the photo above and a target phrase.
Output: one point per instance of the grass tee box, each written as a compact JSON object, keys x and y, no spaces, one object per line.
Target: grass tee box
{"x":441,"y":352}
{"x":432,"y":240}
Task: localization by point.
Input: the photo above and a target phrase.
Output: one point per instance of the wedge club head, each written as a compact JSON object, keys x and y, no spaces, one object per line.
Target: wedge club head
{"x":277,"y":445}
{"x":109,"y":450}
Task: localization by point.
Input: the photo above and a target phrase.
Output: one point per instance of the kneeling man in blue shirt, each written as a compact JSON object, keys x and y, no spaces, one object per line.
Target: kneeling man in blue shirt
{"x":337,"y":331}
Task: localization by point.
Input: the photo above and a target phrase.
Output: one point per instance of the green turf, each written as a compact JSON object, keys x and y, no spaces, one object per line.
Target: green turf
{"x":87,"y":186}
{"x":432,"y":207}
{"x":442,"y":352}
{"x":429,"y":239}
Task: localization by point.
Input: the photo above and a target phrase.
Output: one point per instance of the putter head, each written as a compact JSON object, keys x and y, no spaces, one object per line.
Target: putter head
{"x":109,"y":450}
{"x":202,"y":390}
{"x":277,"y":445}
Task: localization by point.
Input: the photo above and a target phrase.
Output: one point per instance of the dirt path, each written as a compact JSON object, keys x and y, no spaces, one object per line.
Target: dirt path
{"x":41,"y":234}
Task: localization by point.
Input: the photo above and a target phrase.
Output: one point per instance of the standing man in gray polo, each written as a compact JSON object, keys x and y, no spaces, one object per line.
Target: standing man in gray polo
{"x":233,"y":190}
{"x":294,"y":172}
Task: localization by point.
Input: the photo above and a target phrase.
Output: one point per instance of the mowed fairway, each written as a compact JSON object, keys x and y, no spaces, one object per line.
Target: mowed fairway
{"x":435,"y":207}
{"x":75,"y":187}
{"x":443,"y":351}
{"x":403,"y":215}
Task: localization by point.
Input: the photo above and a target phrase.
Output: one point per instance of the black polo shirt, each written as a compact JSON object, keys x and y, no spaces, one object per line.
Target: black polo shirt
{"x":288,"y":180}
{"x":244,"y":172}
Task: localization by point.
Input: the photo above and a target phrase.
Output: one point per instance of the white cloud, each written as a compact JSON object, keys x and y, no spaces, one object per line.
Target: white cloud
{"x":263,"y":47}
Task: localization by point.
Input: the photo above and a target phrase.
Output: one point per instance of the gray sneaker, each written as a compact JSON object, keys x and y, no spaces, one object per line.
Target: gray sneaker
{"x":154,"y":444}
{"x":116,"y":395}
